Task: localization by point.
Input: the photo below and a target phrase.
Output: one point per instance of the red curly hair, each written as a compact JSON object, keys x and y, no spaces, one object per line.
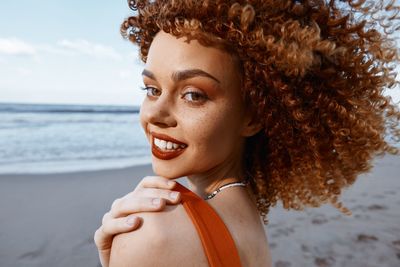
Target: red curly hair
{"x":313,"y":73}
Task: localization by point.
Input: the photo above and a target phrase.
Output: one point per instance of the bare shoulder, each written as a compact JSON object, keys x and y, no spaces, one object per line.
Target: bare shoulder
{"x":162,"y":240}
{"x":241,"y":217}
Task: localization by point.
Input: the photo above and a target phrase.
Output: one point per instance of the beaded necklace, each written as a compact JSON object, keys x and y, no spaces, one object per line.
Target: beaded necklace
{"x":210,"y":196}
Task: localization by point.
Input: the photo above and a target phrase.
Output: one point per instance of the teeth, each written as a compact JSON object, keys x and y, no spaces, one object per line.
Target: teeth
{"x":163,"y":144}
{"x":167,"y":145}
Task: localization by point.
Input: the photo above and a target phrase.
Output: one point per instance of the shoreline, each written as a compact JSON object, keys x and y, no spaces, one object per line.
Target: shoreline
{"x":50,"y":220}
{"x":62,"y":167}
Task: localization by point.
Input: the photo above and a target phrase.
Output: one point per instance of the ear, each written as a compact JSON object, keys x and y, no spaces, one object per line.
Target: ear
{"x":251,"y":126}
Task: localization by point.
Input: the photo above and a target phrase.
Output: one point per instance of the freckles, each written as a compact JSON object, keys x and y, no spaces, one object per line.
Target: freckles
{"x":198,"y":130}
{"x":212,"y":130}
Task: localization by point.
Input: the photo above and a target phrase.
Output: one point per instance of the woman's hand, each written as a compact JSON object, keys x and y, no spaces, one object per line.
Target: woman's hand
{"x":151,"y":194}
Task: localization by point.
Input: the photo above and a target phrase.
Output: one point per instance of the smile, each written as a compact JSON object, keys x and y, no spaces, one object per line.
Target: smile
{"x":165,"y":147}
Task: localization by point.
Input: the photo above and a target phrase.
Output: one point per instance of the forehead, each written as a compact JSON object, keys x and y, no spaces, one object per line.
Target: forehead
{"x":168,"y":54}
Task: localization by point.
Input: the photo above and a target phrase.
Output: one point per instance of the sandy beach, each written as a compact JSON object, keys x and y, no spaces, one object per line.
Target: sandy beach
{"x":324,"y":237}
{"x":49,"y":220}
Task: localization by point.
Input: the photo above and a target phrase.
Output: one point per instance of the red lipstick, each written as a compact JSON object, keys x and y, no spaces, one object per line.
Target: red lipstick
{"x":166,"y":154}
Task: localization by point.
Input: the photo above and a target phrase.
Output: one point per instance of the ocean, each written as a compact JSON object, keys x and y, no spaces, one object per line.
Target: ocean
{"x":43,"y":138}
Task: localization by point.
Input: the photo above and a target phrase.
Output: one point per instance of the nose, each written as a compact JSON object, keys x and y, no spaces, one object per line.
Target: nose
{"x":159,"y":111}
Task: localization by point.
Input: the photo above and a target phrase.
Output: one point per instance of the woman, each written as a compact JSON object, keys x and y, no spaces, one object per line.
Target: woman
{"x":283,"y":98}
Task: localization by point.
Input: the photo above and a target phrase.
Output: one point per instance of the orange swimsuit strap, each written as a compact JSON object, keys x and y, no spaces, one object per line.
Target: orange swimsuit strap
{"x":217,"y":242}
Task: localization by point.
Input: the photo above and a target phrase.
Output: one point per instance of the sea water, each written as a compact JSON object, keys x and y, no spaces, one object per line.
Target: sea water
{"x":61,"y":138}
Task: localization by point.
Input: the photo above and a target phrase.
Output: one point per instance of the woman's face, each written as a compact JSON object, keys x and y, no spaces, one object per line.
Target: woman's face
{"x":193,"y":97}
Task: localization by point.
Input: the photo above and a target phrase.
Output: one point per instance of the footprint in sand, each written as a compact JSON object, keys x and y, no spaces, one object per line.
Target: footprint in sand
{"x":282,"y":231}
{"x":366,"y":238}
{"x":305,"y":248}
{"x":282,"y":264}
{"x":377,"y":207}
{"x":321,"y":220}
{"x":306,"y":251}
{"x":324,"y":262}
{"x":272,"y":245}
{"x":361,"y":216}
{"x":396,"y":244}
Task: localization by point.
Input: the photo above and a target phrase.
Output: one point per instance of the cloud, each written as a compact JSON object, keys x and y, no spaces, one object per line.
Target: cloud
{"x":14,"y":46}
{"x":88,"y":48}
{"x":52,"y":49}
{"x":24,"y":71}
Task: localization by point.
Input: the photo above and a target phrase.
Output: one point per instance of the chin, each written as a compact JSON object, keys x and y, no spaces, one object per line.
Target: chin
{"x":167,"y":171}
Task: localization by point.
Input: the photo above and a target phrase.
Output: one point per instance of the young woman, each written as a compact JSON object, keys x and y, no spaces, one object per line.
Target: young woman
{"x":280,"y":100}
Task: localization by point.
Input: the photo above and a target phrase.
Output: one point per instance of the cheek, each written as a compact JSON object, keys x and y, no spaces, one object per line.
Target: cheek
{"x":214,"y":130}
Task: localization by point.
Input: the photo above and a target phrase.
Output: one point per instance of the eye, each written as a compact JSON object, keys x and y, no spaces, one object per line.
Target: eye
{"x":151,"y":91}
{"x":195,"y":96}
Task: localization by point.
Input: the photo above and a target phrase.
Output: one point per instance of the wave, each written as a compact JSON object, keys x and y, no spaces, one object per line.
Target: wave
{"x":58,"y":108}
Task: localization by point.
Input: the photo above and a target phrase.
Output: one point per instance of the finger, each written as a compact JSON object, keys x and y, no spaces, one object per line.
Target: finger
{"x":172,"y":197}
{"x":145,"y":199}
{"x":104,"y":235}
{"x":157,"y":182}
{"x":107,"y":216}
{"x":137,"y":204}
{"x":117,"y":202}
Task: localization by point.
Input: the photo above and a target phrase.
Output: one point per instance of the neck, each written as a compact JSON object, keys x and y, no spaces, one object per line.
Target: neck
{"x":205,"y":183}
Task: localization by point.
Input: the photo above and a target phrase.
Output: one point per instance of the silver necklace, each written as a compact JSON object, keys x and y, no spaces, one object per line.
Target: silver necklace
{"x":210,"y":196}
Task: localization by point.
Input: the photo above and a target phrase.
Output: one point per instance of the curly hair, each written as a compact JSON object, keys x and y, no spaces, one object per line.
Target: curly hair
{"x":314,"y":72}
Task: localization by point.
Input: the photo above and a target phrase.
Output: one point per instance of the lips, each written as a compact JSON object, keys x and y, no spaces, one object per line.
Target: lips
{"x":166,"y":154}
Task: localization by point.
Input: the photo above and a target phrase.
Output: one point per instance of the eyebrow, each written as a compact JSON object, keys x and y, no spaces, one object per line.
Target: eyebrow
{"x":183,"y":75}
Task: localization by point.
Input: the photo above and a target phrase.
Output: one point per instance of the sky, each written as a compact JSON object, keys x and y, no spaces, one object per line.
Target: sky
{"x":69,"y":52}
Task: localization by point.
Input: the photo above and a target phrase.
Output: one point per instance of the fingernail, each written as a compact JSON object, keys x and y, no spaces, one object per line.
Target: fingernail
{"x":131,"y":220}
{"x":156,"y":201}
{"x":171,"y":183}
{"x":173,"y":195}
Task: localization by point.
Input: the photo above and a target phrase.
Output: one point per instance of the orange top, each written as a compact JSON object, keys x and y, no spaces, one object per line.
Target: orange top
{"x":217,"y":242}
